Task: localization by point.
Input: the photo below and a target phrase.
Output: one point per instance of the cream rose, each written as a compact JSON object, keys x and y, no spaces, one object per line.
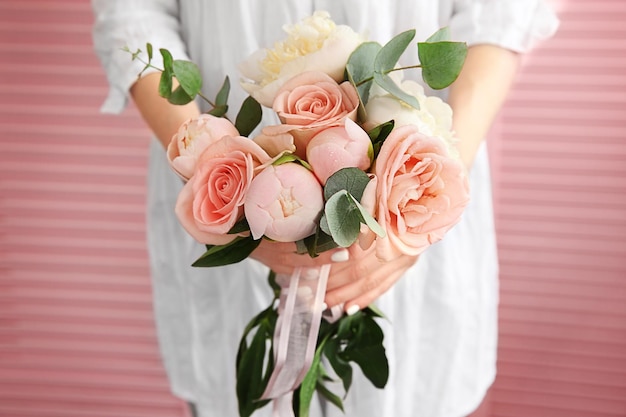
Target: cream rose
{"x":311,"y":102}
{"x":315,"y":44}
{"x":421,"y":192}
{"x":212,"y":201}
{"x":191,"y":140}
{"x":434,"y":118}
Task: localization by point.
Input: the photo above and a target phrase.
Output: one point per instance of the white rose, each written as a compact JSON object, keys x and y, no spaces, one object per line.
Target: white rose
{"x":434,"y":118}
{"x":315,"y":44}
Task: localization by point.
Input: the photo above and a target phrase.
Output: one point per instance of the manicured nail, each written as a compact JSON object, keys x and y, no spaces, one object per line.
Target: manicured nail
{"x":340,"y":256}
{"x":352,"y":310}
{"x":324,"y":306}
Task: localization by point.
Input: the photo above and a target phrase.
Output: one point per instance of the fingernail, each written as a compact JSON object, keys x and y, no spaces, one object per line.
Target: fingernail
{"x":324,"y":306}
{"x":352,"y":310}
{"x":340,"y":256}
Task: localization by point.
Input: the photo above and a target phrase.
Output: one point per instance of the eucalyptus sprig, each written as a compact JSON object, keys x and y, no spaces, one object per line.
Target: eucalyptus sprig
{"x":189,"y":79}
{"x":441,"y":61}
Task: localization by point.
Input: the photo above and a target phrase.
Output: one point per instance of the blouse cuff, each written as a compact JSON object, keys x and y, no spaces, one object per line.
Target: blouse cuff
{"x":517,"y":25}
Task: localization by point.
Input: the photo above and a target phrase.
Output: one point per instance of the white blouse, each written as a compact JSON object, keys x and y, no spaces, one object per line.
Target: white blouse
{"x":442,"y":330}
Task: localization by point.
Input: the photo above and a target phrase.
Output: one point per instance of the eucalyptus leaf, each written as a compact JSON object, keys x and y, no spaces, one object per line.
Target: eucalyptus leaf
{"x":179,"y":96}
{"x":360,"y":69}
{"x":249,"y":116}
{"x":368,"y":219}
{"x":218,"y":111}
{"x":441,"y":60}
{"x":167,"y":60}
{"x":222,"y":95}
{"x":344,"y":220}
{"x":386,"y":83}
{"x":188,"y":75}
{"x":441,"y":35}
{"x":165,"y":84}
{"x":233,"y":252}
{"x":353,"y":180}
{"x":388,"y":56}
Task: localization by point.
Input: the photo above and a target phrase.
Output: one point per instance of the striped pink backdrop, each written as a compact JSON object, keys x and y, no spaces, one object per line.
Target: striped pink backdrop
{"x":76,"y":329}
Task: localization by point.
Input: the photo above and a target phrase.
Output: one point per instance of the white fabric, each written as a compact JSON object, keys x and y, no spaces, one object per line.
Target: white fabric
{"x":441,"y":336}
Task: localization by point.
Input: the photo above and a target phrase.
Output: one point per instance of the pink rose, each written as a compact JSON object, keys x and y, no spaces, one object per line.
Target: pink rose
{"x":283,"y":203}
{"x":192,"y":138}
{"x":339,"y":147}
{"x":212,"y":201}
{"x":311,"y":102}
{"x":421,"y":193}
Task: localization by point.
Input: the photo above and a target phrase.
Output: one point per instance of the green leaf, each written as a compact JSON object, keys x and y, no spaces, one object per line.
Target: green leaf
{"x":441,"y":35}
{"x":307,"y":388}
{"x":167,"y":60}
{"x":218,"y":111}
{"x":353,"y":180}
{"x":250,"y":376}
{"x":388,"y":56}
{"x":344,"y":221}
{"x":188,"y":75}
{"x":179,"y":96}
{"x":368,"y":219}
{"x":319,"y":242}
{"x":360,"y":68}
{"x":149,"y":50}
{"x":249,"y":116}
{"x":341,"y":367}
{"x":329,"y":395}
{"x":230,"y":253}
{"x":366,"y":349}
{"x":378,"y":135}
{"x":386,"y":83}
{"x":222,"y":95}
{"x":240,"y":227}
{"x":165,"y":84}
{"x":440,"y":59}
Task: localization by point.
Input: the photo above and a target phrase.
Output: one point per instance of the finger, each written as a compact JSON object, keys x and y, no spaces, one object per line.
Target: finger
{"x":363,"y":289}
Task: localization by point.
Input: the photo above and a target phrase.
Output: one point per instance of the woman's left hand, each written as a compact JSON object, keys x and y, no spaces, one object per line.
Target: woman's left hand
{"x":362,"y":279}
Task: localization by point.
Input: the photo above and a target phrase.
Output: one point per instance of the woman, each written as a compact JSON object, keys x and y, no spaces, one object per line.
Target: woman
{"x":441,"y":336}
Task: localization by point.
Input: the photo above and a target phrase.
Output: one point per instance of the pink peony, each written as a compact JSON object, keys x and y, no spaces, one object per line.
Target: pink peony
{"x":192,"y":138}
{"x":421,"y":192}
{"x":283,"y":203}
{"x":212,"y":201}
{"x":339,"y":147}
{"x":311,"y":102}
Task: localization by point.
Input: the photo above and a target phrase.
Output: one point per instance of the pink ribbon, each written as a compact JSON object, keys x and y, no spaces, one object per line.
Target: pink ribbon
{"x":295,"y":338}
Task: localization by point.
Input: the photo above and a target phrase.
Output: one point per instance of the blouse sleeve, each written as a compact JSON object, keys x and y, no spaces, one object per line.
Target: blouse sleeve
{"x":513,"y":24}
{"x":132,"y":24}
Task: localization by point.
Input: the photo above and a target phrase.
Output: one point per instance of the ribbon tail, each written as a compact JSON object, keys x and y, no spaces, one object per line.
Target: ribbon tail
{"x":297,"y":329}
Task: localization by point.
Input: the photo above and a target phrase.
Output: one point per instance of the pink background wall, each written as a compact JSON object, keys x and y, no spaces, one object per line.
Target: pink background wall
{"x":76,"y":331}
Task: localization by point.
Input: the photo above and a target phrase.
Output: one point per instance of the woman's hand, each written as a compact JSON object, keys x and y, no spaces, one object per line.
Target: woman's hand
{"x":282,"y":258}
{"x":357,"y":277}
{"x":364,"y":278}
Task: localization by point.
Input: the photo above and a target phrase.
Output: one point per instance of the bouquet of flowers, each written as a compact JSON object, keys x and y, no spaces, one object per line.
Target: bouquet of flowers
{"x":360,"y":157}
